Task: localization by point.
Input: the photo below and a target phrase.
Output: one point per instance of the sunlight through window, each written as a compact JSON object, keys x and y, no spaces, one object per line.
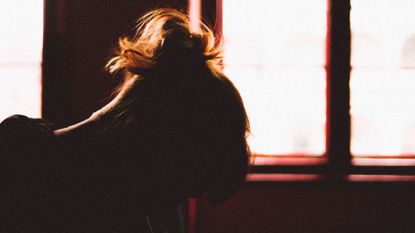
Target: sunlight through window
{"x":21,"y":23}
{"x":275,"y":55}
{"x":383,"y":77}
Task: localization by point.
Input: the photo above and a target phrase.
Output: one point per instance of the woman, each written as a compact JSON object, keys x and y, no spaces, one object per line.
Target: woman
{"x":176,"y":129}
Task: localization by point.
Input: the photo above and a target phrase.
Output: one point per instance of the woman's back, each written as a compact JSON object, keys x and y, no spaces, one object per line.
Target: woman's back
{"x":176,"y":129}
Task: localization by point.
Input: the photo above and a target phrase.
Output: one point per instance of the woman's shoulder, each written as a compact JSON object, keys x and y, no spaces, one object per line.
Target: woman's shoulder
{"x":22,"y":120}
{"x":30,"y":174}
{"x":20,"y":134}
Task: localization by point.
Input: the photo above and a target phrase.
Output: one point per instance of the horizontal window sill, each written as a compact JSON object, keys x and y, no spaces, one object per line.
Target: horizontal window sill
{"x":383,"y":161}
{"x":309,"y":178}
{"x":318,"y":168}
{"x":279,"y":160}
{"x":314,"y":160}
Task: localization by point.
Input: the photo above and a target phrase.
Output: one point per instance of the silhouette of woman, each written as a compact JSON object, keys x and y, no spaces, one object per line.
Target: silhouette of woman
{"x":176,"y":129}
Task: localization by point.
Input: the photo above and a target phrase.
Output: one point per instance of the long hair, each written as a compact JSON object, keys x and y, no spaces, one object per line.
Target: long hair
{"x":178,"y":109}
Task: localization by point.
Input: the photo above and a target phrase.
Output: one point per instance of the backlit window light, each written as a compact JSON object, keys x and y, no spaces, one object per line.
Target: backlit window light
{"x":275,"y":55}
{"x":383,"y":77}
{"x":21,"y":24}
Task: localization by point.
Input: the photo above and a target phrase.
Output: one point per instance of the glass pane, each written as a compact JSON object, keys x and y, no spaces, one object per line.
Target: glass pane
{"x":383,"y":77}
{"x":21,"y":24}
{"x":275,"y":53}
{"x":20,"y":90}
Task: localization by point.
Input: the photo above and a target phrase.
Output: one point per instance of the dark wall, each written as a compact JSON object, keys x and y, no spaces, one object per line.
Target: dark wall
{"x":313,"y":207}
{"x":79,"y":36}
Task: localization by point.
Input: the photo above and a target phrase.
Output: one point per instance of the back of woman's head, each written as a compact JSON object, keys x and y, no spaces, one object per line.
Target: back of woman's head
{"x":187,"y":113}
{"x":163,"y":36}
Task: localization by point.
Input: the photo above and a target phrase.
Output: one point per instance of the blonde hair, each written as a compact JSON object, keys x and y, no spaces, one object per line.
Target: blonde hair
{"x":160,"y":33}
{"x":176,"y":105}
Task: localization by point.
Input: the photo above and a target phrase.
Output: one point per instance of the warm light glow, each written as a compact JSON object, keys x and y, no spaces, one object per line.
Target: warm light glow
{"x":284,"y":177}
{"x":275,"y":53}
{"x":383,"y":77}
{"x":21,"y":24}
{"x":195,"y":11}
{"x":381,"y":178}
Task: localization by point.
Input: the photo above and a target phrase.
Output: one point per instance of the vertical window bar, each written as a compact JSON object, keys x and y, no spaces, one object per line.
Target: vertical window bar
{"x":212,"y":15}
{"x":55,"y":72}
{"x":338,"y":91}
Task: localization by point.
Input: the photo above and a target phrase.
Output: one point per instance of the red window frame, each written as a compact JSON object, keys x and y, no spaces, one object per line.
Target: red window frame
{"x":338,"y":161}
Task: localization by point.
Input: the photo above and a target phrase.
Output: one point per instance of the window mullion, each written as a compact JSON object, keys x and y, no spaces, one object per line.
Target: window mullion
{"x":338,"y":91}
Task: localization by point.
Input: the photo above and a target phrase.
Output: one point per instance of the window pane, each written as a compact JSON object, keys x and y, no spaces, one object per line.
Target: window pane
{"x":275,"y":53}
{"x":21,"y":23}
{"x":383,"y":77}
{"x":20,"y":90}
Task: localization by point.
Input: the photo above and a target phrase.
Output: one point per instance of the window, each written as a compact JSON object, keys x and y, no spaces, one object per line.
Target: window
{"x":21,"y":23}
{"x":311,"y":114}
{"x":275,"y":55}
{"x":383,"y":78}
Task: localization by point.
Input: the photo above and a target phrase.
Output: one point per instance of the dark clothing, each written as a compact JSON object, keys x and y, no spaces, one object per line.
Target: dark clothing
{"x":88,"y":185}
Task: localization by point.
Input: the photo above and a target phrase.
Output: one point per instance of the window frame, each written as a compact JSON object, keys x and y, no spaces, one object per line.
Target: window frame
{"x":337,"y":162}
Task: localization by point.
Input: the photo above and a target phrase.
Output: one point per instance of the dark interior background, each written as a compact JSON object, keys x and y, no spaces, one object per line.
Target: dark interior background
{"x":318,"y":207}
{"x":79,"y":36}
{"x":78,"y":40}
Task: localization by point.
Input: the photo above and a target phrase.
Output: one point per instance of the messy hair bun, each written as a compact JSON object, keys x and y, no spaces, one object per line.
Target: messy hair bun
{"x":163,"y":34}
{"x":177,"y":103}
